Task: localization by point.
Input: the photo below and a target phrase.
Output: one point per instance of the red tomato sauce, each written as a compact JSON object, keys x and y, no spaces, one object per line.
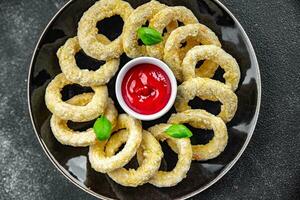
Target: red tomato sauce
{"x":146,"y":89}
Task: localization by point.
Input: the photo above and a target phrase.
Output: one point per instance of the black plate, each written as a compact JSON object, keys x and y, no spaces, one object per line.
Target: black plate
{"x":73,"y":162}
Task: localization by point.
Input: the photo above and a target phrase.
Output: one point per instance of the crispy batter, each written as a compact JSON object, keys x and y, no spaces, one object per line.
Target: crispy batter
{"x":87,"y":30}
{"x":207,"y":89}
{"x":207,"y":121}
{"x":66,"y":56}
{"x":192,"y":34}
{"x":102,"y":163}
{"x":66,"y":111}
{"x":138,"y":18}
{"x":171,"y":178}
{"x":162,"y":19}
{"x":67,"y":136}
{"x":217,"y":55}
{"x":149,"y":148}
{"x":201,"y":43}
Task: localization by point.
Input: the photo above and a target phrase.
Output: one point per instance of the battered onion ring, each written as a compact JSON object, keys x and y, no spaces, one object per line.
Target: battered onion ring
{"x":138,"y":18}
{"x":149,"y":148}
{"x":66,"y":111}
{"x":67,"y":136}
{"x":207,"y":121}
{"x":193,"y":34}
{"x":66,"y":56}
{"x":162,"y":19}
{"x":102,"y":163}
{"x":217,"y":55}
{"x":87,"y":30}
{"x":207,"y":89}
{"x":171,"y":178}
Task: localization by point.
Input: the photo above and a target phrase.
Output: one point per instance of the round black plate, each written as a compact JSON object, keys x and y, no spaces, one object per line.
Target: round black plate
{"x":73,"y":162}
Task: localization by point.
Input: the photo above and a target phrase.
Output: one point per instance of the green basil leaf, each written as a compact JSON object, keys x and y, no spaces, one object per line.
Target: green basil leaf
{"x":149,"y":36}
{"x":102,"y":127}
{"x":179,"y":131}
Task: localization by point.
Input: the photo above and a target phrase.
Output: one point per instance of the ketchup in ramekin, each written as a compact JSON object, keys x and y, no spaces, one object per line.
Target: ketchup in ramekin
{"x":146,"y":88}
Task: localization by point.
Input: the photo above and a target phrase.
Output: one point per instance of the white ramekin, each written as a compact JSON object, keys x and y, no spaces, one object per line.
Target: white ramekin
{"x":161,"y":65}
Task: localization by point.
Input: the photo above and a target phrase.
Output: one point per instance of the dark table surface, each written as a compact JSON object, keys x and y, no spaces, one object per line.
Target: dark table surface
{"x":270,"y":166}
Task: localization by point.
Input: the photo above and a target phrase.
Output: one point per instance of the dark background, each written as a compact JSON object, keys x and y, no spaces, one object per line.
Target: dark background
{"x":270,"y":166}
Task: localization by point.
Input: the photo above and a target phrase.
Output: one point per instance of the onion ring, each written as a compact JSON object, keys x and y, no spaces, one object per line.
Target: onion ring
{"x":193,"y":34}
{"x":67,"y":136}
{"x":87,"y":30}
{"x":149,"y":148}
{"x":102,"y":163}
{"x":66,"y":56}
{"x":171,"y":178}
{"x":66,"y":111}
{"x":138,"y":18}
{"x":217,"y":55}
{"x":209,"y":89}
{"x":207,"y":121}
{"x":162,"y":19}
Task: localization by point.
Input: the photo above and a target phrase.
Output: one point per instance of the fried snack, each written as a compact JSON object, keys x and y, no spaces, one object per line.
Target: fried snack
{"x":207,"y":121}
{"x":207,"y":89}
{"x":87,"y":30}
{"x":149,"y":148}
{"x":102,"y":163}
{"x":192,"y":34}
{"x":75,"y":113}
{"x":162,"y":19}
{"x":136,"y":20}
{"x":217,"y":55}
{"x":67,"y":136}
{"x":171,"y":178}
{"x":66,"y":56}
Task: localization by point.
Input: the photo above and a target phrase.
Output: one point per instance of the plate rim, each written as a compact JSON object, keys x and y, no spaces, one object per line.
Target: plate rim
{"x":229,"y":166}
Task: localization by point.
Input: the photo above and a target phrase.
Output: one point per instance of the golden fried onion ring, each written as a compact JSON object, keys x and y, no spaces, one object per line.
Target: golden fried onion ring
{"x":149,"y":148}
{"x":207,"y":89}
{"x":67,"y":136}
{"x":87,"y":30}
{"x":171,"y":178}
{"x":75,"y":113}
{"x":138,"y":18}
{"x":97,"y":156}
{"x":217,"y":55}
{"x":162,"y":19}
{"x":207,"y":121}
{"x":66,"y":56}
{"x":193,"y":34}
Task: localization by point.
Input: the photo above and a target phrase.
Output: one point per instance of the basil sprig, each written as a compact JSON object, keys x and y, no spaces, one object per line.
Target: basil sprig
{"x":179,"y":131}
{"x":102,"y":127}
{"x":149,"y":36}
